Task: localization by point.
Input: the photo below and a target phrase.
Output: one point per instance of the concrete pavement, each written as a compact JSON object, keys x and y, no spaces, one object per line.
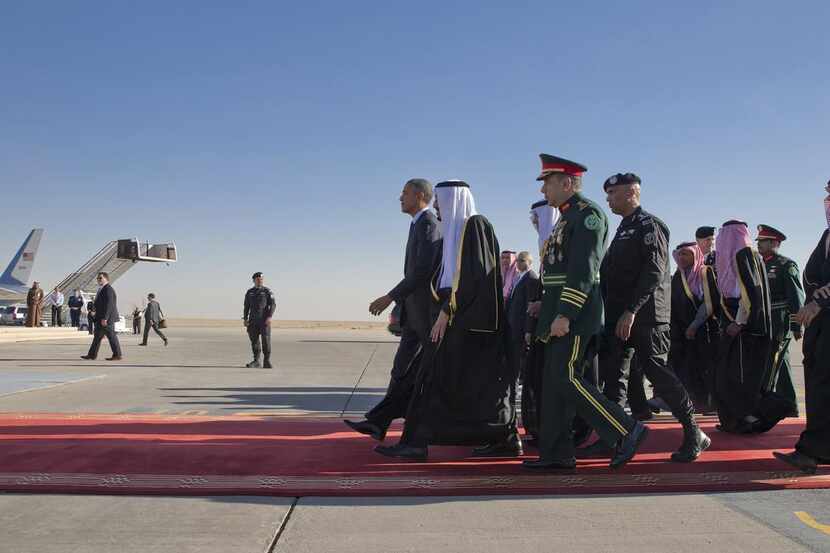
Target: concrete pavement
{"x":325,"y":372}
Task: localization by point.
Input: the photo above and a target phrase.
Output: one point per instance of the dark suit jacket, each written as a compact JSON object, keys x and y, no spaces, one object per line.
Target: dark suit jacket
{"x":423,"y":254}
{"x":152,"y":313}
{"x":106,"y":305}
{"x":516,"y":306}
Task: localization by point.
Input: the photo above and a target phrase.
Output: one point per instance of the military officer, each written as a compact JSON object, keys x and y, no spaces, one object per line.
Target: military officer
{"x":635,"y":285}
{"x":813,"y":447}
{"x":787,"y":298}
{"x":569,"y":320}
{"x":705,"y":238}
{"x":259,"y":308}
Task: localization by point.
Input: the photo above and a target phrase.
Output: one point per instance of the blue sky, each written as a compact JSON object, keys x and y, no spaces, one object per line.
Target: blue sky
{"x":276,"y":136}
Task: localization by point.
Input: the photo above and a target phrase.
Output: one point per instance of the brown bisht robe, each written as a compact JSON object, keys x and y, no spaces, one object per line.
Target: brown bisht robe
{"x":744,"y":360}
{"x":33,"y":301}
{"x":461,"y":395}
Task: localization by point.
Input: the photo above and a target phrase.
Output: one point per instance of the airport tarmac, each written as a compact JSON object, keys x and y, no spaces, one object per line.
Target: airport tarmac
{"x":336,"y":372}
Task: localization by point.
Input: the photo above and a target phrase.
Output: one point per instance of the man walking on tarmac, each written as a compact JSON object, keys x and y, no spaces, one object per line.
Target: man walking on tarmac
{"x":569,"y":320}
{"x":259,"y":308}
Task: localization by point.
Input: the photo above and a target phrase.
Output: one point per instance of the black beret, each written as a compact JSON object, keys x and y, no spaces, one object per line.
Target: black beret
{"x":620,"y":179}
{"x":704,"y":232}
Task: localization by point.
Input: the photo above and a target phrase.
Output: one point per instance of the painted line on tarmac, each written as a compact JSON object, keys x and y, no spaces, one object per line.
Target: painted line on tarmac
{"x":360,"y":378}
{"x":812,"y":523}
{"x":53,"y":385}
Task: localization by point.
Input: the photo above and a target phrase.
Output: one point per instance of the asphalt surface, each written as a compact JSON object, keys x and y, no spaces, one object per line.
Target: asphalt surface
{"x":336,"y":373}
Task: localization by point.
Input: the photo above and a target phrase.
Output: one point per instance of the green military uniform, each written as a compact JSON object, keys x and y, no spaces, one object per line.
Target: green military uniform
{"x":787,"y":298}
{"x":570,"y":278}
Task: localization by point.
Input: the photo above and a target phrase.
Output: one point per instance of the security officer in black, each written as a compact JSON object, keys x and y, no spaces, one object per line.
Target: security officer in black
{"x":259,"y":308}
{"x":635,"y":284}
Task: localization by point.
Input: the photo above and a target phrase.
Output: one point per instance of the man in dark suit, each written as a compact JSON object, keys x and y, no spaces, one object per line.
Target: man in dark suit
{"x":414,"y":295}
{"x":106,"y":314}
{"x":152,"y":317}
{"x":520,"y":328}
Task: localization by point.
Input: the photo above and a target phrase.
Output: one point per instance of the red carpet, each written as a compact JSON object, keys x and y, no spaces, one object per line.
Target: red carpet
{"x":300,"y":457}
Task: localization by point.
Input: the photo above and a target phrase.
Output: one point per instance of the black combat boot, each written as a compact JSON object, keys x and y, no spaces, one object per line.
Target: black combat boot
{"x":254,"y":364}
{"x":266,"y":362}
{"x":694,"y":443}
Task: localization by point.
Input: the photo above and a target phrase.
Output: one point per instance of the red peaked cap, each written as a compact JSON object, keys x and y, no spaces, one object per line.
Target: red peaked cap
{"x":766,"y":232}
{"x":553,"y":164}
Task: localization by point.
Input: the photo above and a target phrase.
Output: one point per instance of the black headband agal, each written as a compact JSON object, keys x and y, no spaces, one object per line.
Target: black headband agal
{"x":452,"y":183}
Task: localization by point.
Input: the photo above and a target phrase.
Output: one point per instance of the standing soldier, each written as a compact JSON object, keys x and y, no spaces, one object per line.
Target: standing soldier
{"x":813,"y":447}
{"x":76,"y":303}
{"x":705,"y":238}
{"x":259,"y":308}
{"x":787,"y":298}
{"x":635,"y":285}
{"x":569,"y":320}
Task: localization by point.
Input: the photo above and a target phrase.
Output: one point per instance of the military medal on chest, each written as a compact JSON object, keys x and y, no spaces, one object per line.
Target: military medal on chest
{"x":557,"y":239}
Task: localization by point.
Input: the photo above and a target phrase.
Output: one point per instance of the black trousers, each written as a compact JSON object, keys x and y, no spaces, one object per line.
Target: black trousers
{"x":783,"y":373}
{"x":258,"y":332}
{"x":90,"y":323}
{"x":516,"y":353}
{"x":57,"y":320}
{"x":155,"y":326}
{"x":694,"y":363}
{"x":75,"y":316}
{"x":636,"y":386}
{"x":815,"y":440}
{"x":402,"y":380}
{"x":112,"y":338}
{"x":651,"y":346}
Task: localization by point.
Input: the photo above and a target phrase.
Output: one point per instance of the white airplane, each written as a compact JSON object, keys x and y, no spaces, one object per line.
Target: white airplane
{"x":14,"y":282}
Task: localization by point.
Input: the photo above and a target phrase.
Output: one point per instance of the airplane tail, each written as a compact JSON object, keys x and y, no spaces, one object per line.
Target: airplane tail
{"x":20,"y":267}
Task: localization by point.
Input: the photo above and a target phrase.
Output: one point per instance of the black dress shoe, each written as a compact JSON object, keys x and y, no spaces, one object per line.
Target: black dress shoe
{"x":629,"y":446}
{"x":115,"y":358}
{"x":802,"y":462}
{"x":740,"y":427}
{"x":403,"y":451}
{"x":581,"y":436}
{"x":530,"y":441}
{"x":368,"y":428}
{"x":142,"y":343}
{"x":598,"y":449}
{"x":511,"y":447}
{"x":658,"y":404}
{"x":88,"y":357}
{"x":555,"y":464}
{"x":643,"y":416}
